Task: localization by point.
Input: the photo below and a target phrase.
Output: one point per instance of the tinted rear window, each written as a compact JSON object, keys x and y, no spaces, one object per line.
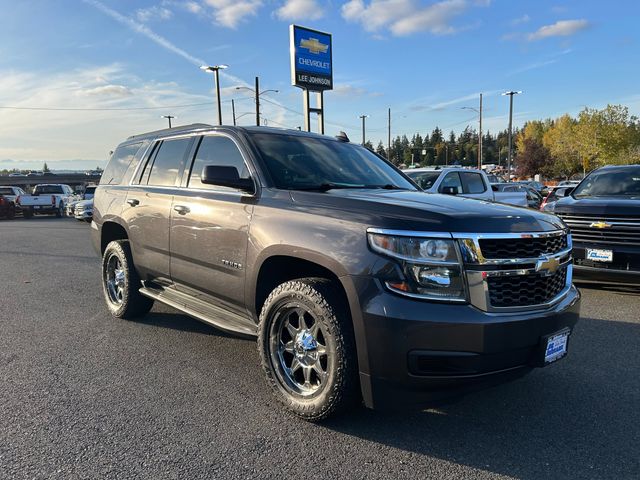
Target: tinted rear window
{"x":48,"y":190}
{"x":119,"y":164}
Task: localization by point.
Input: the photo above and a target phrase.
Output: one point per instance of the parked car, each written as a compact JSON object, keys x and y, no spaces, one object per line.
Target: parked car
{"x":84,"y":210}
{"x":17,"y":174}
{"x":493,"y":178}
{"x":542,"y":189}
{"x":9,"y":206}
{"x":464,"y":182}
{"x":534,"y":199}
{"x":555,"y":194}
{"x":568,"y":183}
{"x":357,"y":284}
{"x":603,"y":213}
{"x":35,"y":173}
{"x":47,"y":198}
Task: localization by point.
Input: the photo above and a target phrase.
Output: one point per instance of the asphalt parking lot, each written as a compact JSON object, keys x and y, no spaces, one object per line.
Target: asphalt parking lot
{"x":83,"y":395}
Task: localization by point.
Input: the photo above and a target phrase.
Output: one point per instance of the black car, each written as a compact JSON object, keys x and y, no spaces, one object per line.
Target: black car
{"x":357,"y":285}
{"x":603,"y":213}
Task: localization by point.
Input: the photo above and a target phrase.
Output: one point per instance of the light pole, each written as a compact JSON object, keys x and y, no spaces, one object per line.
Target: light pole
{"x":168,"y":117}
{"x":363,"y":117}
{"x":256,"y":91}
{"x":479,"y":112}
{"x":216,"y":78}
{"x":509,"y":158}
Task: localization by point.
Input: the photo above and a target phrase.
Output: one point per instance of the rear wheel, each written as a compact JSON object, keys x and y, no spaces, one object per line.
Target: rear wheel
{"x":307,"y":348}
{"x":121,"y":283}
{"x":11,"y":214}
{"x":60,"y":211}
{"x":27,"y":213}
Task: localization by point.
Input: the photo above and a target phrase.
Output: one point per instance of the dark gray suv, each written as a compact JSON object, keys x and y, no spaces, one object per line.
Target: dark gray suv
{"x":358,"y":286}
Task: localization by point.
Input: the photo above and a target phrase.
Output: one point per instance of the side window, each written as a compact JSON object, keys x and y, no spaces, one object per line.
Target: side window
{"x":451,"y":180}
{"x":168,"y":161}
{"x":472,"y":182}
{"x":220,"y":151}
{"x":118,"y":164}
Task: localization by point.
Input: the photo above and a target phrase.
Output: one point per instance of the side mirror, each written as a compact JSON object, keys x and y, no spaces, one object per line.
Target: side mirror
{"x":449,"y":190}
{"x":225,"y":176}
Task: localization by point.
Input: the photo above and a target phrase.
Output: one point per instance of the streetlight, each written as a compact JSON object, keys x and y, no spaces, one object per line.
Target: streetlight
{"x":510,"y":94}
{"x":168,"y":117}
{"x":479,"y":112}
{"x":256,"y":91}
{"x":216,"y":78}
{"x":363,"y":134}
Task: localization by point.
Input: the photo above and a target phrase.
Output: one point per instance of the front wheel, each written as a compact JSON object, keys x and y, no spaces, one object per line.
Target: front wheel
{"x":121,"y":283}
{"x":307,"y":348}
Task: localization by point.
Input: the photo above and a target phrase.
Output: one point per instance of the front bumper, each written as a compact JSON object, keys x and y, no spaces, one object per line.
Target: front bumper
{"x":422,"y":353}
{"x":86,"y":215}
{"x":624,"y":269}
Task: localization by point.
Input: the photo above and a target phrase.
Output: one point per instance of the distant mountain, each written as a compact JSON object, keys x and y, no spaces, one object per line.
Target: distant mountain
{"x":63,"y":166}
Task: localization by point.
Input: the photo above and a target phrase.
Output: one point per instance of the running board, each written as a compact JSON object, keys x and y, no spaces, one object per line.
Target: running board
{"x":205,"y":312}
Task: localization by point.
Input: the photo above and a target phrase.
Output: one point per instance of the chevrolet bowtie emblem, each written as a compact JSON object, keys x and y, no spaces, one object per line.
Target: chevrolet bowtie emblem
{"x":548,"y":266}
{"x":600,"y":225}
{"x":314,"y":45}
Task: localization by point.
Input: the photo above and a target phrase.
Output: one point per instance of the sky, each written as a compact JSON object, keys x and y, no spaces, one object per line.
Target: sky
{"x":86,"y":74}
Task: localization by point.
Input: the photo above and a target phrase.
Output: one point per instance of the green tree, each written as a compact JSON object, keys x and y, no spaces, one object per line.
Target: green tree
{"x":45,"y":168}
{"x":380,"y":150}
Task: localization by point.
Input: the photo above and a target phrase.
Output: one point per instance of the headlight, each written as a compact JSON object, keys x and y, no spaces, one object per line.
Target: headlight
{"x":431,"y":265}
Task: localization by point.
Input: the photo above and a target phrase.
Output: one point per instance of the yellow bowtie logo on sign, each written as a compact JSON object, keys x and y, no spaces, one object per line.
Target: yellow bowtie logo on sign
{"x":314,"y":45}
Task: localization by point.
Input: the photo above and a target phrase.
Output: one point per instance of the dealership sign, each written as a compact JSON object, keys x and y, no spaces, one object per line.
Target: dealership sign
{"x":311,"y":59}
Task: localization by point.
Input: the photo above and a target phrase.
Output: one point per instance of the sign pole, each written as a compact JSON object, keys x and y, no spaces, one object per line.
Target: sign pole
{"x":320,"y":113}
{"x":307,"y":113}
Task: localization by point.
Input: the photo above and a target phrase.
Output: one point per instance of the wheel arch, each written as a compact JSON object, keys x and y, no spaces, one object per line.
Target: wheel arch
{"x":111,"y":231}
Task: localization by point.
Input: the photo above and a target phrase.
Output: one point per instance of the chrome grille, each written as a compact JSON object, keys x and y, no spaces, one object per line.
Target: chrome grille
{"x":525,"y":290}
{"x":506,"y":248}
{"x":614,"y":230}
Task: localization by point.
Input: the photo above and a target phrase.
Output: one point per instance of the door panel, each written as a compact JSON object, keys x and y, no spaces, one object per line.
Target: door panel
{"x":210,"y":227}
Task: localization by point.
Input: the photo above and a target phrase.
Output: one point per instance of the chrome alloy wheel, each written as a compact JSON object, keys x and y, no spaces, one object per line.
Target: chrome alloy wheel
{"x":115,"y":280}
{"x":298,"y":350}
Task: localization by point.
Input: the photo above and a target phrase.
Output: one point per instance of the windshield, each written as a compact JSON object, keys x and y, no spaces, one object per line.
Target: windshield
{"x":618,"y":182}
{"x":306,"y":163}
{"x":425,"y":180}
{"x":6,"y":191}
{"x":47,"y":189}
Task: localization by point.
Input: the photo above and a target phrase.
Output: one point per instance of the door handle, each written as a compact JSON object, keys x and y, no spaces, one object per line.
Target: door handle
{"x":181,"y":209}
{"x":133,"y":202}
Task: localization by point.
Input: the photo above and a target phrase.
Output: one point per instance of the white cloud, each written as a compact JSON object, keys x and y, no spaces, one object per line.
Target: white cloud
{"x":145,"y":15}
{"x":230,"y":13}
{"x":405,"y":17}
{"x":435,"y":19}
{"x":562,"y":28}
{"x":107,"y":91}
{"x":300,"y":10}
{"x":520,"y":20}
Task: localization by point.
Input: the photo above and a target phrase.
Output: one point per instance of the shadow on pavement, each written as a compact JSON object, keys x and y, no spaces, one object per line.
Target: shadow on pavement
{"x":576,"y":419}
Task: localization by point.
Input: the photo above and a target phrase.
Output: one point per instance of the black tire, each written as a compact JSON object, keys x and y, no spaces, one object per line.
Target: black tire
{"x":27,"y":213}
{"x":336,"y":388}
{"x":60,"y":211}
{"x":121,"y":290}
{"x":11,"y":213}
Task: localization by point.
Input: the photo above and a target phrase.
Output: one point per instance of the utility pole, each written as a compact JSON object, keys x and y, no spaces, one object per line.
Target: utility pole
{"x":216,"y":79}
{"x":233,"y":111}
{"x":389,"y":136}
{"x":480,"y":138}
{"x":257,"y":102}
{"x":257,"y":94}
{"x":168,"y":117}
{"x":510,"y":153}
{"x":363,"y":128}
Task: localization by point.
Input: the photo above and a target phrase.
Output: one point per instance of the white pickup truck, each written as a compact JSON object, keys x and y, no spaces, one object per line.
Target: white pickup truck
{"x":47,"y":198}
{"x":465,"y":182}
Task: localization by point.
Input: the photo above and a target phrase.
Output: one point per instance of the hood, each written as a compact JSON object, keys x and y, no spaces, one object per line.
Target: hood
{"x":413,"y":210}
{"x":84,"y":203}
{"x":595,"y":206}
